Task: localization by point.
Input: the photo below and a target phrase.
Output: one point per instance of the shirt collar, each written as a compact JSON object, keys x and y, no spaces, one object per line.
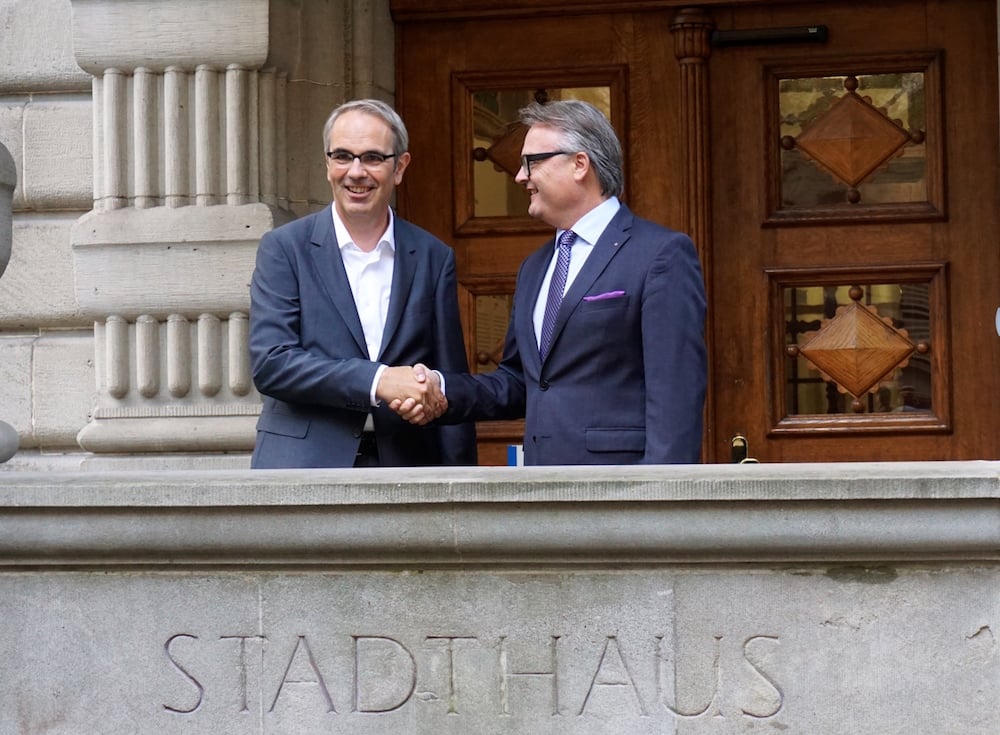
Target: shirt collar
{"x":344,"y":237}
{"x":591,"y":225}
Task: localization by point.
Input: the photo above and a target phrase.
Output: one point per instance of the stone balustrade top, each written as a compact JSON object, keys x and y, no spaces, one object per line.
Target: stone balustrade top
{"x":859,"y":512}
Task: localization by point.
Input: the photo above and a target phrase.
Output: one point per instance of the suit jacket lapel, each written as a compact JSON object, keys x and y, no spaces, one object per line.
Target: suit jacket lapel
{"x":333,"y":276}
{"x":614,"y":237}
{"x":403,"y":270}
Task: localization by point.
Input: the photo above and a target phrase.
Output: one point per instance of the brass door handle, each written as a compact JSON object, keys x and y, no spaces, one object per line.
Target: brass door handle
{"x":740,"y":450}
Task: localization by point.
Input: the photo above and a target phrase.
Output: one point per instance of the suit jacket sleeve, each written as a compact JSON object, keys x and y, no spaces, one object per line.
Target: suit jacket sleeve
{"x":674,"y":354}
{"x":499,"y":394}
{"x":284,"y":367}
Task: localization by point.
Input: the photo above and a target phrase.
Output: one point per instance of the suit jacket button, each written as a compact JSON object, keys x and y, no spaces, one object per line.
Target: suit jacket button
{"x":543,"y":385}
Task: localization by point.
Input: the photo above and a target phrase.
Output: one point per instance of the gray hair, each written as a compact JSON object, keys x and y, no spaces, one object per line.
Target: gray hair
{"x":375,"y":108}
{"x":584,"y":128}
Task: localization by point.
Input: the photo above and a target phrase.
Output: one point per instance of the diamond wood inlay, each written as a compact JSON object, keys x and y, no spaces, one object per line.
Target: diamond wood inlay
{"x":852,"y":139}
{"x":857,"y":349}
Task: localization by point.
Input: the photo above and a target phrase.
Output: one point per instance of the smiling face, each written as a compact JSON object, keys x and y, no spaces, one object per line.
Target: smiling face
{"x":556,"y":185}
{"x":362,"y":193}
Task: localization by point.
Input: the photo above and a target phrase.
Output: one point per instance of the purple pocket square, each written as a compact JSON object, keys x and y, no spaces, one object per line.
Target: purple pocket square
{"x":605,"y":296}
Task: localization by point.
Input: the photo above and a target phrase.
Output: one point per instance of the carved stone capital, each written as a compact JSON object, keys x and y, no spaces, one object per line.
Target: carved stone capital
{"x":155,"y":34}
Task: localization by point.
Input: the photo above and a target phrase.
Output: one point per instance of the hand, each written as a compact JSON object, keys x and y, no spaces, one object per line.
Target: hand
{"x":412,"y":411}
{"x":413,"y":393}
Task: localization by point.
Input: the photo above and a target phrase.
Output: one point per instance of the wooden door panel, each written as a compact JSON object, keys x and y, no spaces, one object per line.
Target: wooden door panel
{"x":761,"y":246}
{"x":854,"y":139}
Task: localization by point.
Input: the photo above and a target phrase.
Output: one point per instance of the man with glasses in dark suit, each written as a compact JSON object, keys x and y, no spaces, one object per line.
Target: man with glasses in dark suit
{"x":340,"y":296}
{"x":605,"y":354}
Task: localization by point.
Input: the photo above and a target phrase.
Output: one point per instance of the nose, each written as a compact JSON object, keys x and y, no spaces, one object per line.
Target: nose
{"x":356,"y":168}
{"x":521,"y":177}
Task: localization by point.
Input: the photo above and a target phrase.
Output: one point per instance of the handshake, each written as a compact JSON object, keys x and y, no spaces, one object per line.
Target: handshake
{"x":412,"y":392}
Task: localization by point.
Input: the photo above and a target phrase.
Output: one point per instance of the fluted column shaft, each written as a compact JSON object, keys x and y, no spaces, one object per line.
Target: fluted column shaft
{"x":691,"y":29}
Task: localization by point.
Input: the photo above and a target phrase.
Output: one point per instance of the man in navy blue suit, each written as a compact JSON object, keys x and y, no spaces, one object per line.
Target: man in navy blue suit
{"x":609,"y":366}
{"x":339,"y":296}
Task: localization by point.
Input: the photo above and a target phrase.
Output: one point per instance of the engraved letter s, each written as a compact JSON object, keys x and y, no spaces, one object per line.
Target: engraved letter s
{"x":184,"y":672}
{"x":778,"y":696}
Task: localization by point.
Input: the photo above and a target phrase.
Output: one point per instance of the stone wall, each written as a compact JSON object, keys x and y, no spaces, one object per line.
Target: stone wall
{"x":696,"y":600}
{"x":46,"y":352}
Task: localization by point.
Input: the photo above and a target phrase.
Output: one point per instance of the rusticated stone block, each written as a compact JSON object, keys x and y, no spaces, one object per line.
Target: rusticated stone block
{"x":37,"y":288}
{"x":37,"y":50}
{"x":58,"y":157}
{"x":63,"y":379}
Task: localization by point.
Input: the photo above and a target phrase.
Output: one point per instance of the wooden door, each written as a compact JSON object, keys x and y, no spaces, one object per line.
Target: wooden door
{"x":846,"y":247}
{"x":855,"y":269}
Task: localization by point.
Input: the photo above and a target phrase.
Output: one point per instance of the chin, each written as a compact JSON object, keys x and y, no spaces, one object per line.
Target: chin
{"x":356,"y":207}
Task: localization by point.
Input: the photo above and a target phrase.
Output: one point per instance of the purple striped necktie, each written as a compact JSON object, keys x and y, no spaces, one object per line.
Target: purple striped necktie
{"x":556,"y":287}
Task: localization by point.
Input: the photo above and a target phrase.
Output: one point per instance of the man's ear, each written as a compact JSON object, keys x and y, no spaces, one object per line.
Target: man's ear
{"x":402,"y":161}
{"x":581,"y":166}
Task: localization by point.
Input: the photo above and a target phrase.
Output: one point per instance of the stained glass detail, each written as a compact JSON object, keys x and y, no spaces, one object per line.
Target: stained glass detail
{"x":852,"y":141}
{"x":497,"y":136}
{"x":857,"y":350}
{"x":492,"y":316}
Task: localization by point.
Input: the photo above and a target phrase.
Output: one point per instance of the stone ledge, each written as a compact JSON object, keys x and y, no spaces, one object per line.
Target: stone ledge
{"x":170,"y":433}
{"x":577,"y":516}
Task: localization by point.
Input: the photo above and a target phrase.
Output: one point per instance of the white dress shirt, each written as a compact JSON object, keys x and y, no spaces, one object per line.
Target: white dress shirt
{"x":370,"y":276}
{"x":588,"y":229}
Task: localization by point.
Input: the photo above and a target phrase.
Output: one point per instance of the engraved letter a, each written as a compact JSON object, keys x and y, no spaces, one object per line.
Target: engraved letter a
{"x":304,"y":644}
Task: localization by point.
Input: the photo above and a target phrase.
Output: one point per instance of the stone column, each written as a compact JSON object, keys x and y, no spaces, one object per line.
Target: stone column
{"x":8,"y":178}
{"x":187,"y":126}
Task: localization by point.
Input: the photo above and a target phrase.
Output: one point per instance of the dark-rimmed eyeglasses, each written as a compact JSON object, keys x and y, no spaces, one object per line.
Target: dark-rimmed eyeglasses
{"x":530,"y":158}
{"x":369,"y":159}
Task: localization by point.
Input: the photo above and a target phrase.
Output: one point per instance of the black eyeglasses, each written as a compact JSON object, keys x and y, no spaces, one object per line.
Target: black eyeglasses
{"x":369,"y":159}
{"x":530,"y":158}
